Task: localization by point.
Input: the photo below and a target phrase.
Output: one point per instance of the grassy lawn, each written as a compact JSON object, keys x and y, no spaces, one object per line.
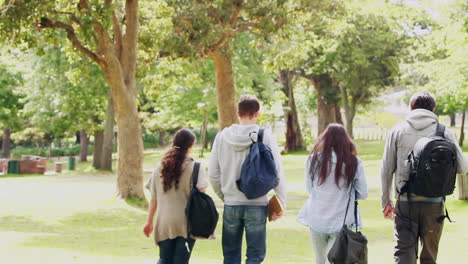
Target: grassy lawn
{"x":76,"y":218}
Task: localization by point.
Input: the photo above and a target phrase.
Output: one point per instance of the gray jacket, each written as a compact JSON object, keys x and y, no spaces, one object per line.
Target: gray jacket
{"x":230,"y":148}
{"x":400,"y":141}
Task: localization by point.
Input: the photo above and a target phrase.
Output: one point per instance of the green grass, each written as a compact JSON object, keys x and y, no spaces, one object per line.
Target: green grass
{"x":76,"y":217}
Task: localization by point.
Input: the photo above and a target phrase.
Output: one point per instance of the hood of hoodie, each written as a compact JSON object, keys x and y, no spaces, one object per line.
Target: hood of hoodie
{"x":238,"y":136}
{"x":420,"y":119}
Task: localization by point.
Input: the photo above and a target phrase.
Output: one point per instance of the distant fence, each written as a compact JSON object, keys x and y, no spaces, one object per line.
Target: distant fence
{"x":376,"y":133}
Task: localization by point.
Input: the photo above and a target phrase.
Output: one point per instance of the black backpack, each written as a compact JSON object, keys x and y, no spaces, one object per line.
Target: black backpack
{"x":201,"y":212}
{"x":433,"y":163}
{"x":258,"y":173}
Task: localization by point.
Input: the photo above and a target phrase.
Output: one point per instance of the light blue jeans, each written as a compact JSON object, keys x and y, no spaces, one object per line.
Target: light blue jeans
{"x":322,"y":244}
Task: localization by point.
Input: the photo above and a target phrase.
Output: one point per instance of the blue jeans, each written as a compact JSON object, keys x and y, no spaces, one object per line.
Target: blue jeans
{"x":322,"y":244}
{"x":251,"y":218}
{"x":175,"y":251}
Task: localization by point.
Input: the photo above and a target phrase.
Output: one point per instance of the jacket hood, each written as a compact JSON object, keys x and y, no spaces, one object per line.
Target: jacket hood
{"x":420,"y":119}
{"x":238,"y":136}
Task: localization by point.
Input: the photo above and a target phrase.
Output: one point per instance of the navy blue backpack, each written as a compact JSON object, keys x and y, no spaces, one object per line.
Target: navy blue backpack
{"x":258,"y":173}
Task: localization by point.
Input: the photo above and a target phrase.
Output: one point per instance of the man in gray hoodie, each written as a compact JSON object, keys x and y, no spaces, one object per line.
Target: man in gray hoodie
{"x":421,"y":212}
{"x":230,"y":149}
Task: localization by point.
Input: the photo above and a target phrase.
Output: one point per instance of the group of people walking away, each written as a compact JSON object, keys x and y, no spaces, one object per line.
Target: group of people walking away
{"x":334,"y":176}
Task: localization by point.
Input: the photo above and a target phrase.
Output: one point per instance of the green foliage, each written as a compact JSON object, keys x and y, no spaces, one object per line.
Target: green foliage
{"x":362,"y":51}
{"x":367,"y":56}
{"x":201,"y":25}
{"x":63,"y":95}
{"x":11,"y":101}
{"x":446,"y":76}
{"x":177,"y":92}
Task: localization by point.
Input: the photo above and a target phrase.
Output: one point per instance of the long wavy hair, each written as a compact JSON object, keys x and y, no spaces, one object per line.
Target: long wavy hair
{"x":174,"y":158}
{"x":335,"y":138}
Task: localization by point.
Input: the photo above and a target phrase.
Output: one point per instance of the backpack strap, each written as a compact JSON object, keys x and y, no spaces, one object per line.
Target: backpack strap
{"x":196,"y":169}
{"x":355,"y":213}
{"x":440,"y":130}
{"x":260,"y":135}
{"x":441,"y":218}
{"x":347,"y":206}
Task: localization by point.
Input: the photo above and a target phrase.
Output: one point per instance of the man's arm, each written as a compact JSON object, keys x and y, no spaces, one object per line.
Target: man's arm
{"x":389,"y":164}
{"x":214,"y":171}
{"x":462,"y":161}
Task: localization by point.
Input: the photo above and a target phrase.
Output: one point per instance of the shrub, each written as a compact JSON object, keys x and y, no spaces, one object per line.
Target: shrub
{"x":150,"y":141}
{"x":73,"y":150}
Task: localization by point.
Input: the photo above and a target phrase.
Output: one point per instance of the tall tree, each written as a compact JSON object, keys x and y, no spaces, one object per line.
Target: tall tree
{"x":206,"y":28}
{"x":348,"y":55}
{"x":294,"y":140}
{"x":10,"y":105}
{"x":366,"y":60}
{"x":107,"y":33}
{"x":305,"y":48}
{"x":444,"y":68}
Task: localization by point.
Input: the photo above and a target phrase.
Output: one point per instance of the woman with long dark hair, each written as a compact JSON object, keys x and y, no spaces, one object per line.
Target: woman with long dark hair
{"x":170,"y":187}
{"x":332,"y":169}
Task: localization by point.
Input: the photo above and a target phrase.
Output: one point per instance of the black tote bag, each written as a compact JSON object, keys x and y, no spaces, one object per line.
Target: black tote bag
{"x":349,"y":247}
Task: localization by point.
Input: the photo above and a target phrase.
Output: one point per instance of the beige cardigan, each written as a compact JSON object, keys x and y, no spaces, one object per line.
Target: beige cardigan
{"x":170,"y":213}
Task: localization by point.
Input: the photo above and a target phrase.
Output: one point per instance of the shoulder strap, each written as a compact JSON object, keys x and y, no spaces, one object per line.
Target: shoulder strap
{"x":440,"y":130}
{"x":349,"y":200}
{"x":260,"y":135}
{"x":355,"y":213}
{"x":196,"y":169}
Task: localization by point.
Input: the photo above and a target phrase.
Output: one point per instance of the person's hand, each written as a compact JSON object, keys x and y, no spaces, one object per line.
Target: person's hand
{"x":276,"y":216}
{"x":388,"y":211}
{"x":148,"y":229}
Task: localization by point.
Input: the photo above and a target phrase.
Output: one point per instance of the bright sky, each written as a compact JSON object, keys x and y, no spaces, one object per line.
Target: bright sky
{"x":429,"y":5}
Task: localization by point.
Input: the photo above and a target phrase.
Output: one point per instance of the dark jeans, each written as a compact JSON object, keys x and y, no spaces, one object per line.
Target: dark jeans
{"x":419,"y":224}
{"x":174,"y":251}
{"x":253,"y":220}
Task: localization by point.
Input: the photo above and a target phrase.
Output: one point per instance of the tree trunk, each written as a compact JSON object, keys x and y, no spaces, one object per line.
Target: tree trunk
{"x":120,"y":73}
{"x":225,"y":89}
{"x":452,"y":120}
{"x":326,"y":101}
{"x":462,"y":186}
{"x":77,"y":137}
{"x":203,"y":134}
{"x":84,"y":143}
{"x":6,"y":143}
{"x":108,"y":137}
{"x":206,"y":139}
{"x":350,"y":111}
{"x":335,"y":98}
{"x":462,"y":130}
{"x":294,"y":140}
{"x":97,"y":149}
{"x":162,"y":136}
{"x":338,"y":117}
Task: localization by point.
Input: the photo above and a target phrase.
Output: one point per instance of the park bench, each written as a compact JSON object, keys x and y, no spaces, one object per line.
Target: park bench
{"x":33,"y":164}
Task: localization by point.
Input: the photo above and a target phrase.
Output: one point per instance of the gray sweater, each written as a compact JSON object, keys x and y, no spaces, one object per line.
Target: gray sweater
{"x":230,"y":149}
{"x":400,"y":141}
